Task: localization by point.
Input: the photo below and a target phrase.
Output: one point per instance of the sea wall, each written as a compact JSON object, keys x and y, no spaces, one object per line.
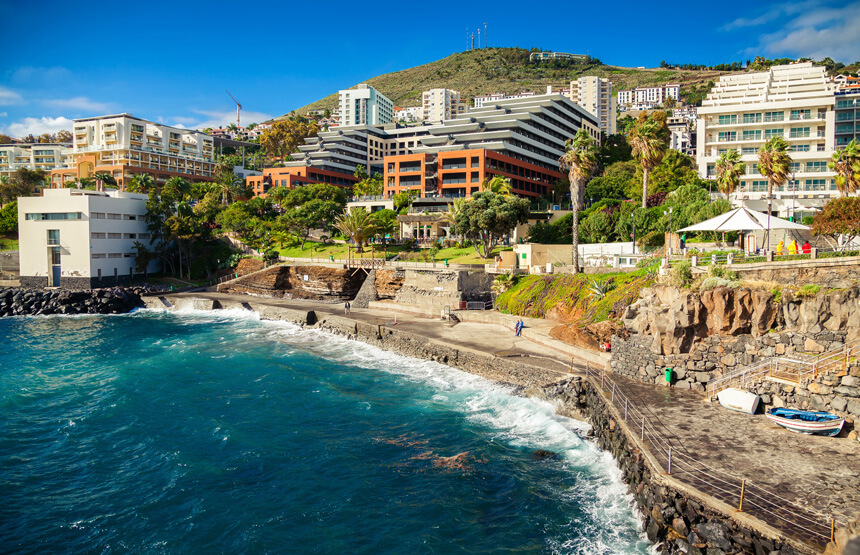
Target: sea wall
{"x":300,"y":282}
{"x":19,"y":302}
{"x":440,"y":288}
{"x":675,"y":518}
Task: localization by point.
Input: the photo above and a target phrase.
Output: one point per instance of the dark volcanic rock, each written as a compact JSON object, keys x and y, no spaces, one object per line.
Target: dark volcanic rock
{"x":17,"y":302}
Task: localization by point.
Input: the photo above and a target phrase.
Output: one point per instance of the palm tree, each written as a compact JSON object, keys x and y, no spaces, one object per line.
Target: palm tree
{"x":356,"y":224}
{"x":228,"y":183}
{"x":648,"y":137}
{"x":498,"y":184}
{"x":141,"y":183}
{"x":450,"y":216}
{"x":580,"y":161}
{"x":729,"y":170}
{"x":846,"y":164}
{"x":102,"y":179}
{"x":775,"y":164}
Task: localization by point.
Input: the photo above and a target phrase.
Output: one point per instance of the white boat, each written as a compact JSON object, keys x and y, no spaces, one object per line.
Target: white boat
{"x":739,"y":400}
{"x":806,"y":422}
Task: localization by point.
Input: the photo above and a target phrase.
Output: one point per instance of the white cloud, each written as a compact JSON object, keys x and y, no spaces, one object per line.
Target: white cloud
{"x":9,"y":97}
{"x":814,"y":29}
{"x":37,"y":126}
{"x":3,"y":114}
{"x":79,"y":103}
{"x":223,"y":118}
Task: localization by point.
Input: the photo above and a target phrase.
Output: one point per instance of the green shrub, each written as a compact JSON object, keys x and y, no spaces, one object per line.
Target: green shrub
{"x":714,"y":282}
{"x":777,"y":294}
{"x":808,"y":290}
{"x":681,"y":274}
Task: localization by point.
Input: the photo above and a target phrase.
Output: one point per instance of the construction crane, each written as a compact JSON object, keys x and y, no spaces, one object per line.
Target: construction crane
{"x":238,"y":107}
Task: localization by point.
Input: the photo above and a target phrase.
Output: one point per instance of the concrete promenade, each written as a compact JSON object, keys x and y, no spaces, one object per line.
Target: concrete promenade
{"x":819,"y":474}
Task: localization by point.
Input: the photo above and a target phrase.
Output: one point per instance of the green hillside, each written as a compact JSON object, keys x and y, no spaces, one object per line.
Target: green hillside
{"x":507,"y":70}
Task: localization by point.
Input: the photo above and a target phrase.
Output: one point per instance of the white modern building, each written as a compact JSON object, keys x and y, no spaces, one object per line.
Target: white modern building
{"x":481,"y":101}
{"x":123,"y":145}
{"x":34,"y":156}
{"x":364,"y":105}
{"x":595,"y":95}
{"x":682,"y":136}
{"x":650,"y":96}
{"x":80,"y":239}
{"x":410,"y":114}
{"x":439,"y":105}
{"x":743,"y":111}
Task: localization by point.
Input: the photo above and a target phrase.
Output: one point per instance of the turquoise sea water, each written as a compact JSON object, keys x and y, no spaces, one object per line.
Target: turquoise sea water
{"x":216,"y":432}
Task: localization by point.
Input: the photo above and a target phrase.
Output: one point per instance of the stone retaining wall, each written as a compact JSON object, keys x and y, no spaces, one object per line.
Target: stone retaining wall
{"x":714,"y":356}
{"x":838,"y":393}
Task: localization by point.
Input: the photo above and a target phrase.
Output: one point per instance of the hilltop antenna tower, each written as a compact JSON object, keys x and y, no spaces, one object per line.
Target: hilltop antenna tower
{"x":473,"y":42}
{"x":485,"y":34}
{"x":479,"y":37}
{"x":467,"y":39}
{"x":238,"y":107}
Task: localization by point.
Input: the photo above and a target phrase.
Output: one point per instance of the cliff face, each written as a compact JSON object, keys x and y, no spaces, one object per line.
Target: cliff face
{"x":300,"y":282}
{"x":678,"y":319}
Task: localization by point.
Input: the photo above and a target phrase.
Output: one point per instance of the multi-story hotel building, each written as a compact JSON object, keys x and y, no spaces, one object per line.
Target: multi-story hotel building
{"x":495,"y":97}
{"x":521,"y":139}
{"x":410,"y":114}
{"x":441,"y":104}
{"x":33,"y":156}
{"x":123,"y":145}
{"x":595,"y":95}
{"x":847,"y":111}
{"x":80,"y":239}
{"x":744,"y":110}
{"x":364,"y":105}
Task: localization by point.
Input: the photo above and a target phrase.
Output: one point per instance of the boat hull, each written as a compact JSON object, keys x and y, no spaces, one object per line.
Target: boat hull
{"x":739,"y":400}
{"x":829,"y":427}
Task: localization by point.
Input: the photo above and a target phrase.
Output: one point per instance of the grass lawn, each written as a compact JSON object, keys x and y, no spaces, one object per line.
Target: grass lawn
{"x":454,"y":255}
{"x":337,"y":250}
{"x":8,"y":244}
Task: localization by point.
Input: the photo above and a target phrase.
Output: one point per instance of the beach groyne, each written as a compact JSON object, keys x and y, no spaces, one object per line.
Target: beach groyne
{"x":32,"y":302}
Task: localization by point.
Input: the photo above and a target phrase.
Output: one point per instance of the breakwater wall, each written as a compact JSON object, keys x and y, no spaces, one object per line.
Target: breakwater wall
{"x":675,"y":517}
{"x":20,"y":302}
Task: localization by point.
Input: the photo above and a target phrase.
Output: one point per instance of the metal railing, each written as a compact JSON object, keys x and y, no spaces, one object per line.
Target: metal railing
{"x":673,"y":459}
{"x":799,"y":369}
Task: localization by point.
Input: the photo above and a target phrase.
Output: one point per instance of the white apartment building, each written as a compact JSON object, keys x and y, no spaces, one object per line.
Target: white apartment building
{"x":123,"y":145}
{"x":650,"y":96}
{"x":80,"y":239}
{"x":410,"y":114}
{"x":481,"y":101}
{"x":595,"y":95}
{"x":364,"y":105}
{"x":34,"y":156}
{"x":441,"y":104}
{"x":681,"y":136}
{"x":744,"y":110}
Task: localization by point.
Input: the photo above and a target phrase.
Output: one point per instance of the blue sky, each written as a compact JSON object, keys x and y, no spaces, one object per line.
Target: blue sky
{"x":172,"y":61}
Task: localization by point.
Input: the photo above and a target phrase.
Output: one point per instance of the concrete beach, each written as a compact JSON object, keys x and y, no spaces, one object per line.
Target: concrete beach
{"x":799,"y":482}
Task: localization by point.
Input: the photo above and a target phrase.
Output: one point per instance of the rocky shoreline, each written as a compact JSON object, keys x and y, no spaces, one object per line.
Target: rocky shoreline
{"x":17,"y":301}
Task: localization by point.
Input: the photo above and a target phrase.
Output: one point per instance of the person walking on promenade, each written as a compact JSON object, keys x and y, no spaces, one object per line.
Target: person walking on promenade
{"x":807,"y":248}
{"x":792,"y":247}
{"x":346,"y":309}
{"x":779,"y":248}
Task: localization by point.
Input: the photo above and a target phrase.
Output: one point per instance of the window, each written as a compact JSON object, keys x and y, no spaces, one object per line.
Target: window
{"x":799,"y":148}
{"x":98,"y":235}
{"x":101,"y":255}
{"x":54,"y":216}
{"x":459,"y":177}
{"x":752,"y":135}
{"x":800,"y":114}
{"x":759,"y":186}
{"x":129,"y":217}
{"x":845,"y":116}
{"x":454,"y":164}
{"x":844,"y":103}
{"x":768,"y":133}
{"x":798,"y":132}
{"x":794,"y":167}
{"x":816,"y":167}
{"x":53,"y":236}
{"x":728,"y":120}
{"x":752,"y":118}
{"x":845,"y":128}
{"x":129,"y":235}
{"x":114,"y":216}
{"x":475,"y":162}
{"x":55,"y":255}
{"x":114,"y":235}
{"x":726,"y":136}
{"x":143,"y":235}
{"x":114,"y":255}
{"x":774,"y":116}
{"x":749,"y":150}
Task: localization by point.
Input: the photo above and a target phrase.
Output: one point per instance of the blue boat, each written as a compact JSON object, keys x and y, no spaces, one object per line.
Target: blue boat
{"x":805,"y":422}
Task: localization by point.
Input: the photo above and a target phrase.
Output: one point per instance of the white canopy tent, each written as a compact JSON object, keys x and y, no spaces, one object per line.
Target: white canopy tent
{"x":744,"y":219}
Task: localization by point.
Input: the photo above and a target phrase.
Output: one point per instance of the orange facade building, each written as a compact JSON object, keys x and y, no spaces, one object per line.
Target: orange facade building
{"x":460,"y":173}
{"x":296,"y":177}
